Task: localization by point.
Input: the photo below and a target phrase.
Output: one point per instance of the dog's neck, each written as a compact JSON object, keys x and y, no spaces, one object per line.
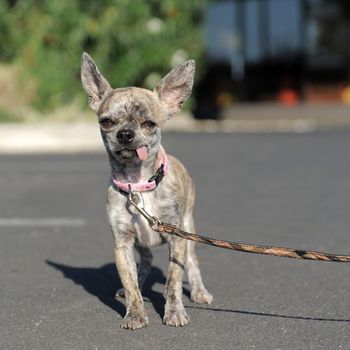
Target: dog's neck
{"x":137,"y":171}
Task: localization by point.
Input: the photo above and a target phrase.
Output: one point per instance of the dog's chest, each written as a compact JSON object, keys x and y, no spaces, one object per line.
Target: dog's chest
{"x":145,"y":236}
{"x":126,"y":220}
{"x":164,"y":209}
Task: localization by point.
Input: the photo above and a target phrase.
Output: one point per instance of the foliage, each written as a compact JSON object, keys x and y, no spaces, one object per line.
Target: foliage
{"x":6,"y":116}
{"x":127,"y":39}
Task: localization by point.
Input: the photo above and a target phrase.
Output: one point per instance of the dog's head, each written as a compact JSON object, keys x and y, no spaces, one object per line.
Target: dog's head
{"x":130,"y":118}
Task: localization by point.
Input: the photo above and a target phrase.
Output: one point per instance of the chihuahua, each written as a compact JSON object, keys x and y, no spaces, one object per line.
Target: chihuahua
{"x":130,"y":121}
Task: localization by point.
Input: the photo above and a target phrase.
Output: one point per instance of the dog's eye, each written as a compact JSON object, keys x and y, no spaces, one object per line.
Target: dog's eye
{"x":106,"y":123}
{"x":149,"y":124}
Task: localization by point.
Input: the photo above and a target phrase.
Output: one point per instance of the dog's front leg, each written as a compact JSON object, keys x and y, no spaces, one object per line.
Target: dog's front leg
{"x":175,"y":314}
{"x":135,"y":317}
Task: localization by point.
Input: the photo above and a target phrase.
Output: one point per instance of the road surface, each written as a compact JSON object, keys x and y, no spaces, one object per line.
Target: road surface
{"x":58,"y":278}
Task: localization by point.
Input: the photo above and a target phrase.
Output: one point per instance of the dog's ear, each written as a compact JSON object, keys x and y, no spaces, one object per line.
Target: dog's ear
{"x":176,"y":87}
{"x":95,"y":85}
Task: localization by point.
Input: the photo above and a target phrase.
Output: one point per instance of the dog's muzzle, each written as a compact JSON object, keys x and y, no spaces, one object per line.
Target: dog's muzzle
{"x":125,"y":136}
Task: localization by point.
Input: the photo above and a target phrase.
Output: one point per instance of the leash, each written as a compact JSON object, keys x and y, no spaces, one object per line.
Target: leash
{"x":136,"y":200}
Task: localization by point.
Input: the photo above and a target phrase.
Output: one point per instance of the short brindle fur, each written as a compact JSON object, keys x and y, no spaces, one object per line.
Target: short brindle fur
{"x":130,"y":121}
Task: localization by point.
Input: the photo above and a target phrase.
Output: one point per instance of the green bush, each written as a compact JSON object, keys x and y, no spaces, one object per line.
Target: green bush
{"x":6,"y":116}
{"x":133,"y":42}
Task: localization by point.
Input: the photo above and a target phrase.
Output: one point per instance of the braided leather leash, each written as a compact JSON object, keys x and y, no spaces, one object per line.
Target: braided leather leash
{"x":136,"y":200}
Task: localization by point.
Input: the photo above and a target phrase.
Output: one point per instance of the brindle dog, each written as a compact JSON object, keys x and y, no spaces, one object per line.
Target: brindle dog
{"x":130,"y":121}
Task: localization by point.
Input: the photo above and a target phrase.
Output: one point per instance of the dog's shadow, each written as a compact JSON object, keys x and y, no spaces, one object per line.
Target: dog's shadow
{"x":104,"y":282}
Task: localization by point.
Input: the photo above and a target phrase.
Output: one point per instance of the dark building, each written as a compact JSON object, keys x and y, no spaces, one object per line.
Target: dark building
{"x":276,"y":50}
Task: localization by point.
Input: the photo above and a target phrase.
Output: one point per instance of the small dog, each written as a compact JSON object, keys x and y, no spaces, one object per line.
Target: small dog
{"x":130,"y":121}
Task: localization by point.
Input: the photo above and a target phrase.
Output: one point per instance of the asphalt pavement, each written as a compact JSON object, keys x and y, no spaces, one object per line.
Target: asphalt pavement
{"x":58,"y":277}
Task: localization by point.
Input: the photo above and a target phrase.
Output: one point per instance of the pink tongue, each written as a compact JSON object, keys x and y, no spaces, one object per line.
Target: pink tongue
{"x":142,"y":152}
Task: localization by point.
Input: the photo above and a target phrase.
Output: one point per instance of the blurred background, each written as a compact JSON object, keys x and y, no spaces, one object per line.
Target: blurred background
{"x":280,"y":52}
{"x":285,"y":51}
{"x":133,"y":43}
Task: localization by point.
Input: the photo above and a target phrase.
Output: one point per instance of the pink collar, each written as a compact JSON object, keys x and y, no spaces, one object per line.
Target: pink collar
{"x":151,"y":184}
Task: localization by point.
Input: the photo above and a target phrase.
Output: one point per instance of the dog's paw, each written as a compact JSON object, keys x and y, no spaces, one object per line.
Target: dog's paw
{"x":201,"y":296}
{"x":176,"y":318}
{"x":120,"y":293}
{"x":134,"y":321}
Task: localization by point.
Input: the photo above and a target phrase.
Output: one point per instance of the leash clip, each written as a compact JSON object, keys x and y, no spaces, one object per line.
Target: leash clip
{"x":136,"y":200}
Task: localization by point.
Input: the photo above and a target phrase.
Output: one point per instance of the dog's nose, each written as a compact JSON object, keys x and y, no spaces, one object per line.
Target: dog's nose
{"x":125,"y":136}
